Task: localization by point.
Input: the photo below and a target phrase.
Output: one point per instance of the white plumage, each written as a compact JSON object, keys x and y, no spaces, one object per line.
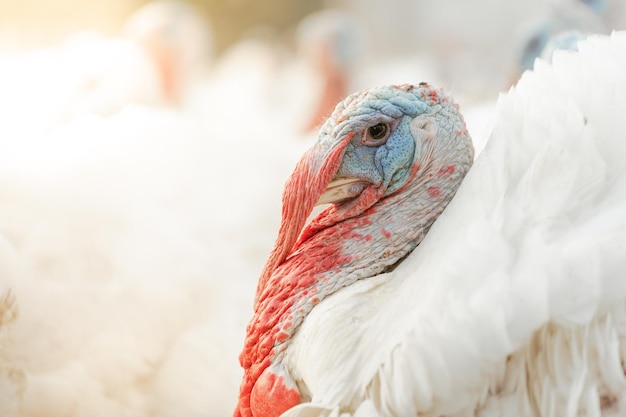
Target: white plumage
{"x":514,"y":303}
{"x":126,"y":242}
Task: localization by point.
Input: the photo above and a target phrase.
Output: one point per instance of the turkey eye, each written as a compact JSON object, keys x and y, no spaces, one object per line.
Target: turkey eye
{"x":378,"y":131}
{"x":377,"y":134}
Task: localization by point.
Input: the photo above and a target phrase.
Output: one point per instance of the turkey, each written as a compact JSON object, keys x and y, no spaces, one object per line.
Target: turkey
{"x":512,"y":303}
{"x":178,"y":39}
{"x":165,"y":49}
{"x":328,"y":42}
{"x":297,"y":89}
{"x":538,"y":34}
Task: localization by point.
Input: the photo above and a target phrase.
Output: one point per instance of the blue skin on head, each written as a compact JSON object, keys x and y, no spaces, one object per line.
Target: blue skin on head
{"x":386,"y":165}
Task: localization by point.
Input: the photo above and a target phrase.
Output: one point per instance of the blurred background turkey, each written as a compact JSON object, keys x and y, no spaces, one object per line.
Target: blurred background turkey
{"x":143,"y":151}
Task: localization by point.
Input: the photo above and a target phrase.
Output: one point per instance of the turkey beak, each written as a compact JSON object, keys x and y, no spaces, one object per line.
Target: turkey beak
{"x":341,"y":189}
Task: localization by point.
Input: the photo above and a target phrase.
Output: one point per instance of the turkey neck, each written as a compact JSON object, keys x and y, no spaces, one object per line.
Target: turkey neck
{"x":333,"y":256}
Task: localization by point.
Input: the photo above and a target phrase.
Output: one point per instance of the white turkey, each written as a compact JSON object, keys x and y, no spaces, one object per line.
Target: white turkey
{"x":130,"y":252}
{"x":165,"y":49}
{"x":297,"y":90}
{"x":547,"y":31}
{"x":512,"y":303}
{"x":329,"y":44}
{"x":179,"y":41}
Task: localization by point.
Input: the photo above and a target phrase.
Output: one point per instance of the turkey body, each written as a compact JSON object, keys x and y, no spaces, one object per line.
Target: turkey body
{"x":513,"y":303}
